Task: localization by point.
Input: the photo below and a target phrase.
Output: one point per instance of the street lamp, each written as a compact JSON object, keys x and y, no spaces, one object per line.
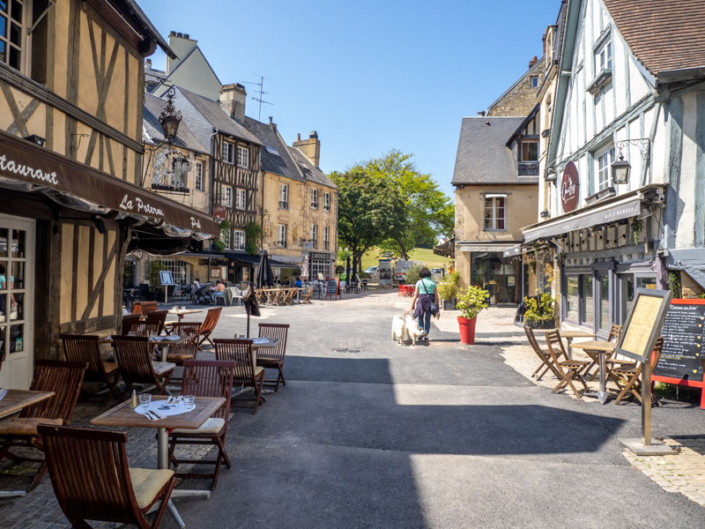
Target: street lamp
{"x":170,"y":118}
{"x":621,"y":167}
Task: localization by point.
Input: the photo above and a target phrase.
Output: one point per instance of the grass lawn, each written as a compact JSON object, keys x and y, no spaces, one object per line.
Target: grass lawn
{"x":425,"y":255}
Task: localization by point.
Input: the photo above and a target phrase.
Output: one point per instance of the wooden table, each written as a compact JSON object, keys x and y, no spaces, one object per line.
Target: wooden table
{"x":14,"y":401}
{"x":123,"y":415}
{"x":570,"y":334}
{"x":180,"y":313}
{"x":600,"y":348}
{"x":155,"y":341}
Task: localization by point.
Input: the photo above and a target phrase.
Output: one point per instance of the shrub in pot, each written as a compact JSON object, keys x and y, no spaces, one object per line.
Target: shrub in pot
{"x":470,"y":302}
{"x":540,"y":313}
{"x":448,"y":290}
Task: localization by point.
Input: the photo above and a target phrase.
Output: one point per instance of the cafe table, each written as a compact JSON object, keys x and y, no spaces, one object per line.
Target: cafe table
{"x":13,"y":401}
{"x":180,"y":313}
{"x":601,"y":348}
{"x":163,"y":342}
{"x":569,"y":334}
{"x":123,"y":415}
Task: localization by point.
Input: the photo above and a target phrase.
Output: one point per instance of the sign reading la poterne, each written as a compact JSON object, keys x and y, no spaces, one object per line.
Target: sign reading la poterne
{"x":570,"y":188}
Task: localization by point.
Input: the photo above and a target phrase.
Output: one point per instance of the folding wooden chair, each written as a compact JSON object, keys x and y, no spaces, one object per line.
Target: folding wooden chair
{"x":209,"y":326}
{"x":247,"y":374}
{"x":64,"y":379}
{"x":273,"y":357}
{"x":615,"y":333}
{"x":149,"y":307}
{"x":157,"y":317}
{"x":84,"y":349}
{"x":135,"y":360}
{"x":307,"y":296}
{"x":178,"y":353}
{"x":92,"y":480}
{"x":545,"y":357}
{"x":568,"y":369}
{"x":129,"y":321}
{"x":627,"y":374}
{"x":205,"y":379}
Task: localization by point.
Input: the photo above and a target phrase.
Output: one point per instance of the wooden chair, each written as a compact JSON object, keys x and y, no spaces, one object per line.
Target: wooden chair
{"x":205,"y":379}
{"x":209,"y":326}
{"x":545,"y":357}
{"x":149,"y":307}
{"x":157,"y":317}
{"x":134,"y":358}
{"x":84,"y":349}
{"x":137,"y":308}
{"x":247,"y":374}
{"x":627,"y":374}
{"x":273,"y":357}
{"x":178,"y":353}
{"x":93,"y":481}
{"x":615,"y":333}
{"x":307,"y":296}
{"x":568,"y":369}
{"x":290,"y":296}
{"x":260,"y":296}
{"x":64,"y":379}
{"x":129,"y":321}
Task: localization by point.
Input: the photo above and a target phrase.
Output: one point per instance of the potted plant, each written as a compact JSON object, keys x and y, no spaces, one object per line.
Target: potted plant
{"x":540,"y":312}
{"x":448,"y":290}
{"x":471,"y":303}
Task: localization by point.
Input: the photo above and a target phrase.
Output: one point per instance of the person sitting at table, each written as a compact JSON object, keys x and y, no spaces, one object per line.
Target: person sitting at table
{"x":219,"y":290}
{"x":276,"y":282}
{"x":286,"y":282}
{"x":298,"y":283}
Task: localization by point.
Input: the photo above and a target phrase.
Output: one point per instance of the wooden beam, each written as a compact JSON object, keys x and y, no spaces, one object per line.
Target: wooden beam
{"x":101,"y":278}
{"x":93,"y":325}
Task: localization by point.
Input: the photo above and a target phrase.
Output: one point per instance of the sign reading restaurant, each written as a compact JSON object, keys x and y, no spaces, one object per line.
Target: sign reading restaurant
{"x":570,"y":188}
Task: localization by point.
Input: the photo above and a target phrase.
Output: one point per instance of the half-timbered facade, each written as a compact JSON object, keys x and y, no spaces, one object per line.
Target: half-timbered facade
{"x":71,"y":96}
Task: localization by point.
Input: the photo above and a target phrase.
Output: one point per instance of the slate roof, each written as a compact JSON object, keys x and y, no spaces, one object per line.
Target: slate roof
{"x":291,"y":163}
{"x":483,"y":156}
{"x":153,"y":107}
{"x":214,"y":114}
{"x":662,"y":34}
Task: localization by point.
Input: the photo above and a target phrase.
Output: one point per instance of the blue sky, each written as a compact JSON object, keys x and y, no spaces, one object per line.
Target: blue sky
{"x":368,"y":76}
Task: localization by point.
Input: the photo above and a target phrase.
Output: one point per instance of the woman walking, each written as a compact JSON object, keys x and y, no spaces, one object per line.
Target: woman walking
{"x":425,"y":302}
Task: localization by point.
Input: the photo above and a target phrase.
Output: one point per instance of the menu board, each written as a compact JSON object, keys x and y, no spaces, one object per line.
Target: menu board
{"x":683,"y":341}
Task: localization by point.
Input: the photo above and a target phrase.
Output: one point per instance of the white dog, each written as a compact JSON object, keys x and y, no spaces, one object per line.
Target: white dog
{"x":413,"y":331}
{"x":398,"y":329}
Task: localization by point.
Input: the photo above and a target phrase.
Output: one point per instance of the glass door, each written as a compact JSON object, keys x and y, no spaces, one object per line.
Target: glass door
{"x":16,"y":307}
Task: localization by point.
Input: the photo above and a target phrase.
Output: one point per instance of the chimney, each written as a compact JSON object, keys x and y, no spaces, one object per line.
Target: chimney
{"x":182,"y":44}
{"x":481,"y":113}
{"x":148,"y":64}
{"x":272,"y":124}
{"x":532,"y":62}
{"x":544,"y":42}
{"x":233,"y":98}
{"x":310,"y":147}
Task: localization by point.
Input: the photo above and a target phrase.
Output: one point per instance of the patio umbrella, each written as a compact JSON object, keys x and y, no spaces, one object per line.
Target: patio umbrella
{"x":265,"y":277}
{"x":251,"y":306}
{"x":304,"y":268}
{"x":347,"y":272}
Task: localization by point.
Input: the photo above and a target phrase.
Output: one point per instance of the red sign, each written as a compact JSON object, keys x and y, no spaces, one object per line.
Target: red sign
{"x":570,"y":188}
{"x":220,"y":212}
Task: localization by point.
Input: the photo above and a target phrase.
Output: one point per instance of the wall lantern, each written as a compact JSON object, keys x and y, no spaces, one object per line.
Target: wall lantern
{"x":170,"y":118}
{"x":621,"y":167}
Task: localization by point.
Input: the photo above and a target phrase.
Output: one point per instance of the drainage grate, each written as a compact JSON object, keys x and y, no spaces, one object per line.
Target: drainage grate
{"x":346,"y":350}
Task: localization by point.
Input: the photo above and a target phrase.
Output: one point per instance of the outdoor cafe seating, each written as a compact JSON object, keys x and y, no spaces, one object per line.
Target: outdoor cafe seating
{"x":626,"y":375}
{"x":136,"y":365}
{"x":273,"y":358}
{"x":247,"y":373}
{"x":85,"y":349}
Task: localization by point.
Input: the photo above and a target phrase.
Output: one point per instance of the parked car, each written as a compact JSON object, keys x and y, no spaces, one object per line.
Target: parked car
{"x":372,"y":270}
{"x":438,"y":273}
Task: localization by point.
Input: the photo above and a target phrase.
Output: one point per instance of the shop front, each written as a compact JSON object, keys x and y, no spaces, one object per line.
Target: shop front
{"x":501,"y":276}
{"x":321,"y":265}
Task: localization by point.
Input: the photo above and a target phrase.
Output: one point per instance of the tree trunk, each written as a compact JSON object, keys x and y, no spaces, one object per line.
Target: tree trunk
{"x":404,"y":254}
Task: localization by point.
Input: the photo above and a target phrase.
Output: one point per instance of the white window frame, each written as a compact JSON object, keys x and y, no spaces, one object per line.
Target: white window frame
{"x":603,"y":56}
{"x":326,"y":238}
{"x":198,"y":176}
{"x":603,"y":170}
{"x":314,"y":198}
{"x":240,"y":199}
{"x":281,"y":235}
{"x":326,"y":201}
{"x":228,"y":152}
{"x":534,"y":81}
{"x":314,"y":236}
{"x":238,"y":240}
{"x":495,"y":203}
{"x":226,"y":196}
{"x":180,"y":270}
{"x":283,"y":196}
{"x":243,"y":157}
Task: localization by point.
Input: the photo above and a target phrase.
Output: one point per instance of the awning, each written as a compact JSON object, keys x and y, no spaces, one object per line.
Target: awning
{"x":513,"y":251}
{"x":25,"y":166}
{"x":254,"y":260}
{"x":619,"y":210}
{"x":689,"y":260}
{"x":478,"y":247}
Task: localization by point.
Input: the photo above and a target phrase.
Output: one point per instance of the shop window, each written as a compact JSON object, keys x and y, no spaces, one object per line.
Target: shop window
{"x":572,"y":298}
{"x":181,"y":270}
{"x":495,"y":213}
{"x":604,"y":285}
{"x":586,"y":300}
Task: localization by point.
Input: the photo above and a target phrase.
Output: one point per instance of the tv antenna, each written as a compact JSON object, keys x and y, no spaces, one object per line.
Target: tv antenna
{"x":260,"y":93}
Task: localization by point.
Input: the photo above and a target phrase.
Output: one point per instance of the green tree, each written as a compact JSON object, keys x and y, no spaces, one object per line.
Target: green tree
{"x":370,"y":208}
{"x":428,"y":213}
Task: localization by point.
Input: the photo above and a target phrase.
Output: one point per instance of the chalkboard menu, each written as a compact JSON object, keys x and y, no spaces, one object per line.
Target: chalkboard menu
{"x":683,"y":341}
{"x":332,"y":288}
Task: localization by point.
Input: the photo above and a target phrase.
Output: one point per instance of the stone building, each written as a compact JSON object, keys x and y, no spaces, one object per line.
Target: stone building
{"x":520,"y":98}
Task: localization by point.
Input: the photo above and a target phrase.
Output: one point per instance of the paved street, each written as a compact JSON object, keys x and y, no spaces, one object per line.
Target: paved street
{"x":437,"y":436}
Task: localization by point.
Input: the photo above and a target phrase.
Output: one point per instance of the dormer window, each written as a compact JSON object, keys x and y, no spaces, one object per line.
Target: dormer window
{"x":603,"y":63}
{"x":529,"y":151}
{"x":603,"y":57}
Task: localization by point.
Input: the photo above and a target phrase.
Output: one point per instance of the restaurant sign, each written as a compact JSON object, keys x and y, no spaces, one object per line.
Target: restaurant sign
{"x":570,"y":188}
{"x":23,"y":161}
{"x":319,"y":256}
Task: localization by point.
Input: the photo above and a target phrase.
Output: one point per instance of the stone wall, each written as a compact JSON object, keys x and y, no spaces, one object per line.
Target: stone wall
{"x":520,"y":99}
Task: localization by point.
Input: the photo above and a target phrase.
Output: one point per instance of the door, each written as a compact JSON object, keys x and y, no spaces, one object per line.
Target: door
{"x":16,"y":301}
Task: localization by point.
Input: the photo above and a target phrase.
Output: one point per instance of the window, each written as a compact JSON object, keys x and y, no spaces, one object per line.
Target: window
{"x":314,"y":198}
{"x":243,"y":157}
{"x":283,"y":196}
{"x":228,"y":152}
{"x":529,"y":151}
{"x":603,"y":57}
{"x":495,"y":213}
{"x":199,"y":177}
{"x":586,"y":300}
{"x":604,"y":286}
{"x":238,"y":240}
{"x":314,"y":235}
{"x":272,"y":150}
{"x":241,"y":199}
{"x":225,"y":238}
{"x":571,"y":298}
{"x":281,"y":239}
{"x":226,"y":196}
{"x":326,"y":201}
{"x":179,"y":269}
{"x":326,"y":238}
{"x":534,"y":81}
{"x":604,"y":176}
{"x":21,"y":50}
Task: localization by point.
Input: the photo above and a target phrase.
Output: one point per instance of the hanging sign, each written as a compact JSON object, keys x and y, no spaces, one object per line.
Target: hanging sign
{"x":570,"y":188}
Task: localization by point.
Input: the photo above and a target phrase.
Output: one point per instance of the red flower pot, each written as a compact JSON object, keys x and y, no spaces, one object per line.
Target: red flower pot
{"x":467,"y":330}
